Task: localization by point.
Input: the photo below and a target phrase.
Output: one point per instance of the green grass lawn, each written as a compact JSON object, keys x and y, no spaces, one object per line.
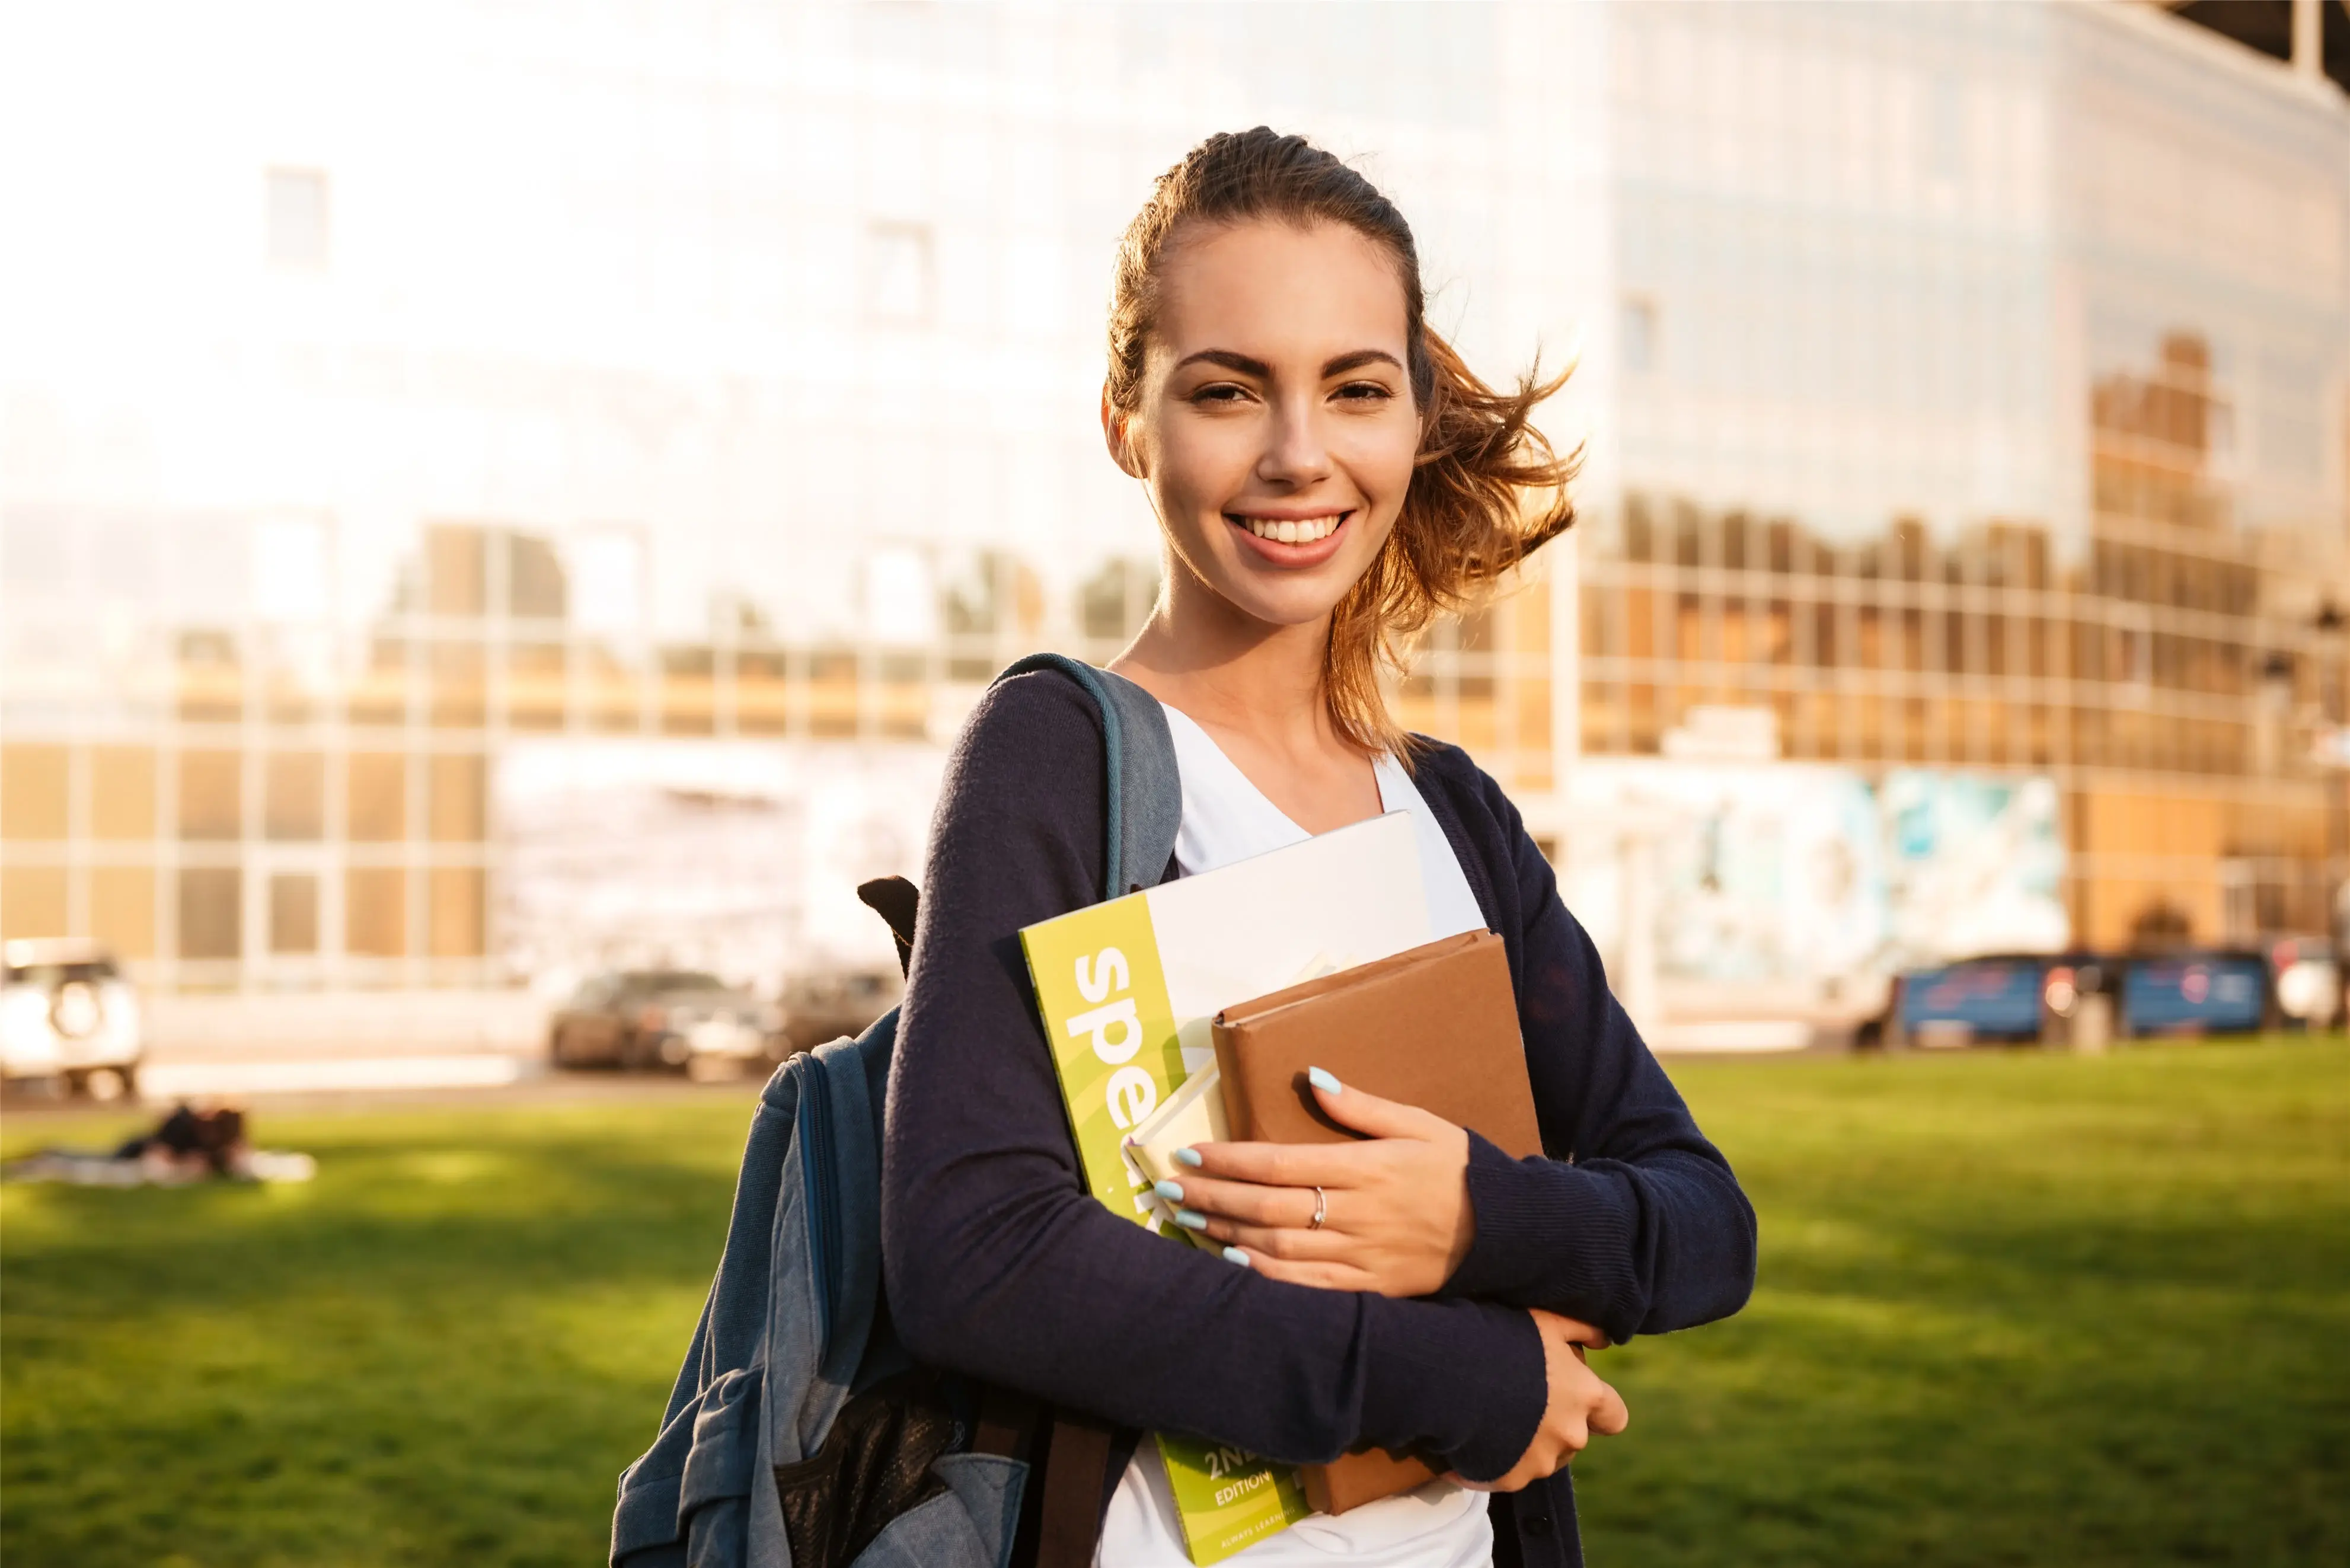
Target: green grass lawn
{"x":2014,"y":1309}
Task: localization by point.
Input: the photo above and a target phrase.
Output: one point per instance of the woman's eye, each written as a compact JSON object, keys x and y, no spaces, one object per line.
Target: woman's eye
{"x":1364,"y":392}
{"x":1219,"y":393}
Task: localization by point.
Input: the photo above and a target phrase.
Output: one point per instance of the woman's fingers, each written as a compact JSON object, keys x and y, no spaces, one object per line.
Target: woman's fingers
{"x":1574,"y":1331}
{"x":1287,"y":1164}
{"x":1368,"y":1114}
{"x":1610,"y":1415}
{"x":1302,"y":1246}
{"x":1320,"y":1275}
{"x":1241,"y":1200}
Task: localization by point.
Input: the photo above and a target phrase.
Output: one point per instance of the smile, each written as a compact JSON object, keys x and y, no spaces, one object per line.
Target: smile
{"x":1294,"y":543}
{"x":1292,"y":530}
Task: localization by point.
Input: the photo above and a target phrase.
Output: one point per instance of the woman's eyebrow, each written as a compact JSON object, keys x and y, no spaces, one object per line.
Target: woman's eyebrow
{"x":1357,"y":359}
{"x":1241,"y":363}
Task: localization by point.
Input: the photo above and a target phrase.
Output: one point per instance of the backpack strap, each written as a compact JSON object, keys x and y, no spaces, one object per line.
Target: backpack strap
{"x":1146,"y":790}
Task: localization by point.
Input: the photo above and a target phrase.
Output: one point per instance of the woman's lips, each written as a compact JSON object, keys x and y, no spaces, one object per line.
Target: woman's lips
{"x":1297,"y":550}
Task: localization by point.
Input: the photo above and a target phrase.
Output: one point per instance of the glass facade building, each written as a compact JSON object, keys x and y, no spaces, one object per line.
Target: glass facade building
{"x":1962,"y":385}
{"x":1982,"y":406}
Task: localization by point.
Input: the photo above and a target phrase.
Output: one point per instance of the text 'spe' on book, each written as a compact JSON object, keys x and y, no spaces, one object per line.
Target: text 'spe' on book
{"x":1128,"y":991}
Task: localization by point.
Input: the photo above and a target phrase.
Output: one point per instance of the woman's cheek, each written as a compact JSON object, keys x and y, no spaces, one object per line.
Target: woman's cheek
{"x":1200,"y":473}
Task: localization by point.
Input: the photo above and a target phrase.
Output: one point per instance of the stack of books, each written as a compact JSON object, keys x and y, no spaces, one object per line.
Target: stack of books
{"x":1189,"y":1012}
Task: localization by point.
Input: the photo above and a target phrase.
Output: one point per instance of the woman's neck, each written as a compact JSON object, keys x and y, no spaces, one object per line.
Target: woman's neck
{"x":1256,"y":688}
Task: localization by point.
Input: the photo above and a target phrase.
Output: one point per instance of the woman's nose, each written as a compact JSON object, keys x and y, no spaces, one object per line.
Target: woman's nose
{"x":1296,"y":453}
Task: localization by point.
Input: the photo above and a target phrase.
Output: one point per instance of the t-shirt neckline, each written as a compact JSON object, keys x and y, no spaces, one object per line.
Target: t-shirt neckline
{"x":1379,"y":766}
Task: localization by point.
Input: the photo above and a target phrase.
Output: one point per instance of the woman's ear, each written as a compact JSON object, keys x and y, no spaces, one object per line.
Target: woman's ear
{"x":1117,"y":435}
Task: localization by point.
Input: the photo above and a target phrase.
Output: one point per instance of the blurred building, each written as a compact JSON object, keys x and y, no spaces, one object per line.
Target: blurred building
{"x":1965,"y":388}
{"x":1982,"y":402}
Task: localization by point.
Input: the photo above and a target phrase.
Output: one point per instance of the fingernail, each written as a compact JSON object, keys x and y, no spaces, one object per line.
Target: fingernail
{"x":1234,"y":1255}
{"x":1323,"y":1081}
{"x":1170,"y":1190}
{"x":1190,"y":1220}
{"x":1189,"y":1156}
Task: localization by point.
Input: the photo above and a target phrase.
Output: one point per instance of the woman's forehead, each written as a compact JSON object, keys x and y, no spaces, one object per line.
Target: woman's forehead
{"x":1272,"y":289}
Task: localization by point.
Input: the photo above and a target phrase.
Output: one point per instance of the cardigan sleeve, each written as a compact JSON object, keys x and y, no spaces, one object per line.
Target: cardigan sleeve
{"x":1633,"y":1222}
{"x":998,"y":1263}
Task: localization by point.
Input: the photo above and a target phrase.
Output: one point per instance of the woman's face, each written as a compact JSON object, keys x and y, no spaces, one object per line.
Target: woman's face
{"x":1275,"y":431}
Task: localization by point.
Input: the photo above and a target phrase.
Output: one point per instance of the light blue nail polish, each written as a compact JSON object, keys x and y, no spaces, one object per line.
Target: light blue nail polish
{"x":1189,"y":1156}
{"x":1190,"y":1220}
{"x":1234,"y":1255}
{"x":1170,"y":1190}
{"x":1322,"y":1081}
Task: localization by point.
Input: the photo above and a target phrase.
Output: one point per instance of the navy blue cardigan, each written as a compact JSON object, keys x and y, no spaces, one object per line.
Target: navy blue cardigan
{"x":999,"y":1264}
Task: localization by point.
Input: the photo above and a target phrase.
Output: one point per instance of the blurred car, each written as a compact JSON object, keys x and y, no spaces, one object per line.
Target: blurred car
{"x":826,"y":1006}
{"x":2221,"y":991}
{"x":2014,"y":998}
{"x":2307,"y":973}
{"x":68,"y":1014}
{"x":663,"y":1018}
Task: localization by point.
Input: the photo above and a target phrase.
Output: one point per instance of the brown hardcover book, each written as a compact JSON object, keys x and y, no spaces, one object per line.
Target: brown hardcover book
{"x":1436,"y":1027}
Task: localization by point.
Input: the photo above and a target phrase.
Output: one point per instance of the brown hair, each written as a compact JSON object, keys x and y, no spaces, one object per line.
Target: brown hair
{"x":1467,"y":518}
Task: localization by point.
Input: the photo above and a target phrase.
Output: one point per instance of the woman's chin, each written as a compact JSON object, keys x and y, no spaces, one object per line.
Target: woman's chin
{"x":1291,"y":600}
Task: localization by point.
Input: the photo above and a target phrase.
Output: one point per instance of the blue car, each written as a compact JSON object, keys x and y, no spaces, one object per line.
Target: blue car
{"x":2000,"y":997}
{"x":2219,"y":992}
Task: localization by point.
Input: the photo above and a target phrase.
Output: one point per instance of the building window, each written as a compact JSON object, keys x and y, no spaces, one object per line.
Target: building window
{"x":295,"y":805}
{"x":378,"y":810}
{"x":211,"y":804}
{"x":212,"y":919}
{"x":898,"y":274}
{"x":122,"y":793}
{"x":375,"y":912}
{"x":1638,"y":328}
{"x":32,"y":901}
{"x":122,"y":909}
{"x":459,"y":899}
{"x":459,"y":809}
{"x":297,"y":219}
{"x":33,"y":793}
{"x":294,"y":914}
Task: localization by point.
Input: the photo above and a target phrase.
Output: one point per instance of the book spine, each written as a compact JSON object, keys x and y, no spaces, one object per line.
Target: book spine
{"x":1240,"y":1106}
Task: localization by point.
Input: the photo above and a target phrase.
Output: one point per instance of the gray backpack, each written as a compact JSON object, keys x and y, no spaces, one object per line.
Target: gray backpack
{"x":800,"y":1433}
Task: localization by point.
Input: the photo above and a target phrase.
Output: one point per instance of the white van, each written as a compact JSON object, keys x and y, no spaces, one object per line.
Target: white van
{"x":68,"y":1014}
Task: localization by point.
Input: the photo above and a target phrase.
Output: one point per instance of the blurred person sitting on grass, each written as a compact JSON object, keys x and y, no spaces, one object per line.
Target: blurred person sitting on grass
{"x":1327,"y":476}
{"x":190,"y":1143}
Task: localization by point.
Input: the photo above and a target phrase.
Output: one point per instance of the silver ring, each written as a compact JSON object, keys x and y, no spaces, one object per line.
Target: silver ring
{"x":1321,"y":1209}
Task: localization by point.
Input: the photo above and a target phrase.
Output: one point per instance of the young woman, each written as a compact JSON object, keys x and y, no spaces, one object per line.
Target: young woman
{"x":1326,"y":474}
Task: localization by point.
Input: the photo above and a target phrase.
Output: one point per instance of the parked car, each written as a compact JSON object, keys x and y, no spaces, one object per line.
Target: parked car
{"x":2014,"y":998}
{"x":69,"y":1016}
{"x":826,"y":1006}
{"x":2000,"y":996}
{"x":663,"y":1018}
{"x":2216,"y":991}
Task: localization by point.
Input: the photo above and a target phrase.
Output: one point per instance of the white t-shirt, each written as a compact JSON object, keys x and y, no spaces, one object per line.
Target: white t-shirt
{"x":1439,"y":1525}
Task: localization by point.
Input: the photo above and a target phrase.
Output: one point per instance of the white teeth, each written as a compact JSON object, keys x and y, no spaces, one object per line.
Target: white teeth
{"x":1291,"y":531}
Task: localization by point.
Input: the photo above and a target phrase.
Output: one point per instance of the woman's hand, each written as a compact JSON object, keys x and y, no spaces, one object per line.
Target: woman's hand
{"x":1579,"y":1405}
{"x":1396,"y":1216}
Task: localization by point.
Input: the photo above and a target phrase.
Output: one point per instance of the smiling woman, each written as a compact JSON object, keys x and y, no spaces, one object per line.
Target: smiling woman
{"x":1328,"y":475}
{"x":1271,"y":369}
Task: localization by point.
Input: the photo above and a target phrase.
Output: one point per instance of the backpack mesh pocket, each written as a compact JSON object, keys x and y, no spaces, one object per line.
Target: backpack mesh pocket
{"x":875,"y":1465}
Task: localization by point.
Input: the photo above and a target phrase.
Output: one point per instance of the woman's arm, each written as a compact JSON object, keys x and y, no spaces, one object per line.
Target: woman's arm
{"x":1634,"y":1223}
{"x":999,"y":1263}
